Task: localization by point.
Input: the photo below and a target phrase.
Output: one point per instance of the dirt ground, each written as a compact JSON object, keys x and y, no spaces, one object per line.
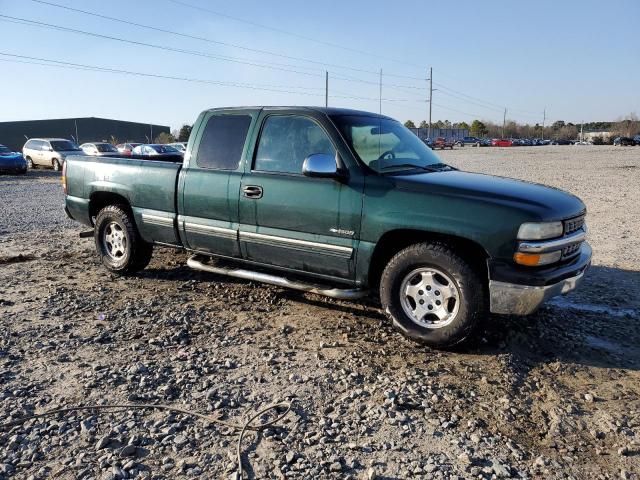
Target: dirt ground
{"x":553,"y":395}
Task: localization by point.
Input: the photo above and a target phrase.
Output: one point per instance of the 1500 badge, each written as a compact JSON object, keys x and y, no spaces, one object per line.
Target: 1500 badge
{"x":340,"y":231}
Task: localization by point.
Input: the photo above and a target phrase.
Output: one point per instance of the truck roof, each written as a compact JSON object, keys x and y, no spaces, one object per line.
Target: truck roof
{"x":325,"y":110}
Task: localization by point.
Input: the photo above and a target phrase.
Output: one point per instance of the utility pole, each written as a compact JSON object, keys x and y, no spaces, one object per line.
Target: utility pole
{"x":430,"y":99}
{"x":504,"y":120}
{"x":544,"y":118}
{"x":380,"y":91}
{"x":326,"y":88}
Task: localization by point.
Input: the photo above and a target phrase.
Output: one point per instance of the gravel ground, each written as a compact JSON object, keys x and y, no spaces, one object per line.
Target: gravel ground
{"x":554,"y":395}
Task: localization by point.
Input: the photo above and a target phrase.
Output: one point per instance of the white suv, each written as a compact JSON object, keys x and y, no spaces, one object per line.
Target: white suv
{"x":48,"y":152}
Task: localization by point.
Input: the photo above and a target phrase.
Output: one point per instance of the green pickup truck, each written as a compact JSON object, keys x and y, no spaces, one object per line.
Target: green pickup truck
{"x":340,"y":203}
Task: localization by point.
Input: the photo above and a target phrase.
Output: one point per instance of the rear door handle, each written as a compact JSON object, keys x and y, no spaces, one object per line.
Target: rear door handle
{"x":252,"y":191}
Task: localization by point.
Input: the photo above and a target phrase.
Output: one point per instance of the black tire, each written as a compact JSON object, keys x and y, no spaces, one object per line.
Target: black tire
{"x":55,"y":163}
{"x":133,"y":253}
{"x":30,"y":164}
{"x":470,"y":290}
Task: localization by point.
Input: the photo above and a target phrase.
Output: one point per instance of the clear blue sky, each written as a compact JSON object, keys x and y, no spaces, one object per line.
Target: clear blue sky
{"x":579,"y":59}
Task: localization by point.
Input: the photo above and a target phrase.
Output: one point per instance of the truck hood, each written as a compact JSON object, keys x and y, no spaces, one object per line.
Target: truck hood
{"x":542,"y":202}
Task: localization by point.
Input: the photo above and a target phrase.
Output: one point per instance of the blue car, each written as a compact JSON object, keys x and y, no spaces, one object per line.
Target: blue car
{"x":11,"y":162}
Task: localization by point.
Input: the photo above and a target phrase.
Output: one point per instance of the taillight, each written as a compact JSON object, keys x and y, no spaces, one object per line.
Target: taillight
{"x":64,"y":177}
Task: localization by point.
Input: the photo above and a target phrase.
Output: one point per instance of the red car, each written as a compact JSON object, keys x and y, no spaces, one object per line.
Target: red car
{"x":501,"y":142}
{"x":442,"y":143}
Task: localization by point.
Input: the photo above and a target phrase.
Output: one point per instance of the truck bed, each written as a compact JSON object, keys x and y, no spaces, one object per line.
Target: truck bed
{"x":147,"y":184}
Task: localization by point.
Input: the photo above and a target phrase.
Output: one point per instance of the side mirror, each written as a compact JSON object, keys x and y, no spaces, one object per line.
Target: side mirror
{"x":320,"y":165}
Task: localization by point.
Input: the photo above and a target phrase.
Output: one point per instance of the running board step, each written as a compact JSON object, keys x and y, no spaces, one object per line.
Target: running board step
{"x":196,"y":262}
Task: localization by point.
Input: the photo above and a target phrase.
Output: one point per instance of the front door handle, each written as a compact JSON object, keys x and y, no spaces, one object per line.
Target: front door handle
{"x":252,"y":191}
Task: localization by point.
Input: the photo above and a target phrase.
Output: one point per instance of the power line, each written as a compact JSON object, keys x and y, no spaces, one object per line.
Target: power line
{"x":494,"y":105}
{"x":300,"y":36}
{"x":24,"y":59}
{"x":203,"y":39}
{"x":272,"y":66}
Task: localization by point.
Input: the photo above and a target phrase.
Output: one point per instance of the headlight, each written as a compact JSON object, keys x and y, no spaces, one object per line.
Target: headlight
{"x":540,"y":231}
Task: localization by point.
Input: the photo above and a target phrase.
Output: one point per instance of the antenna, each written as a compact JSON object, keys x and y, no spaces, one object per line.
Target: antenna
{"x":326,"y":88}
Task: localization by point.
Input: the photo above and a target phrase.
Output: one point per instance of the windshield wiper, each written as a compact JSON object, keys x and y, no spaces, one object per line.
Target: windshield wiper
{"x":439,"y":167}
{"x":434,"y":167}
{"x":402,"y":165}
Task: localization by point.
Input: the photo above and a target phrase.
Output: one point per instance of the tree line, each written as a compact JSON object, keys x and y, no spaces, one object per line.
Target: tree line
{"x":560,"y":130}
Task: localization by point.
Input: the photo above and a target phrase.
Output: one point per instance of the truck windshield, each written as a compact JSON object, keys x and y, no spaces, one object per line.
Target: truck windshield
{"x":383,"y":144}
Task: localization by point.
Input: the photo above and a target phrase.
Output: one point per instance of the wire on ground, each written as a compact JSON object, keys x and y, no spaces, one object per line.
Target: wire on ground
{"x":282,"y":408}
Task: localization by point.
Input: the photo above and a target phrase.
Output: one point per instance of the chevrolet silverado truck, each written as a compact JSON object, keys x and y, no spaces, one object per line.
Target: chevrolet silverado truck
{"x":339,"y":203}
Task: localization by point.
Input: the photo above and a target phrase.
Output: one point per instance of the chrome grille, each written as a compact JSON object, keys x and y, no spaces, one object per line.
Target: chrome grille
{"x":571,"y":250}
{"x":573,"y":224}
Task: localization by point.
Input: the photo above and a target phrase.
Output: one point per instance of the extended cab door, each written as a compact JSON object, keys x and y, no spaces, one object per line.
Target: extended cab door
{"x":292,"y":221}
{"x":210,"y":183}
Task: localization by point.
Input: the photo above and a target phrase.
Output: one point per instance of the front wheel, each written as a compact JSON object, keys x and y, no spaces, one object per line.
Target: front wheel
{"x":55,"y":164}
{"x":432,"y":295}
{"x":119,"y":245}
{"x":30,"y":164}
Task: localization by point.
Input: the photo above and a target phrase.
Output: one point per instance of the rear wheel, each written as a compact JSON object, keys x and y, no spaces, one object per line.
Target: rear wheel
{"x":119,"y":245}
{"x":55,"y":163}
{"x":432,"y":295}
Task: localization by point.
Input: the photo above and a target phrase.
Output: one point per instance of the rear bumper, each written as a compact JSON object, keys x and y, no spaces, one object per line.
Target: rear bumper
{"x":77,"y":209}
{"x":511,"y":298}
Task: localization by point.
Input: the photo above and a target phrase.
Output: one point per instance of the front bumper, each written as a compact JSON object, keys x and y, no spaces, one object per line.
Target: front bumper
{"x":525,"y":298}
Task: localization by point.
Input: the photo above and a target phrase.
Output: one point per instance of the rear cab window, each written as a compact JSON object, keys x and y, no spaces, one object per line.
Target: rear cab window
{"x":223,"y":141}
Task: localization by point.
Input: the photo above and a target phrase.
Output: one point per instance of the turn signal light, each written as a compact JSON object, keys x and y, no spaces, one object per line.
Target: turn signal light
{"x":536,"y":259}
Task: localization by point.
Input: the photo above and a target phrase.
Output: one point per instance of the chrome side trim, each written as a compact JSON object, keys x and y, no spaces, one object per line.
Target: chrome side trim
{"x":210,"y":230}
{"x":551,"y":245}
{"x":514,"y":299}
{"x":157,"y":220}
{"x":295,"y":243}
{"x":196,"y":262}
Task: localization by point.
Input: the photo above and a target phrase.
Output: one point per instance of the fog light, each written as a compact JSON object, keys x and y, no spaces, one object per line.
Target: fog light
{"x":537,"y":259}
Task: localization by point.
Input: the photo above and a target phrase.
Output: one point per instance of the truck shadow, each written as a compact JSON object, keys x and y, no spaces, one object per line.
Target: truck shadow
{"x":584,"y":328}
{"x":573,"y":329}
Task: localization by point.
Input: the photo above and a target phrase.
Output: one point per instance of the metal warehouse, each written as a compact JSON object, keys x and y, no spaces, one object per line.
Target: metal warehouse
{"x":88,"y":129}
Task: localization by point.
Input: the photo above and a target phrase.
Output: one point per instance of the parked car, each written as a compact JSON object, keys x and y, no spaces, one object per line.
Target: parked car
{"x":158,"y":151}
{"x":501,"y":142}
{"x":48,"y":152}
{"x":99,"y":149}
{"x":468,"y":141}
{"x":442,"y":143}
{"x":126,"y":148}
{"x":338,"y":202}
{"x":485,"y":142}
{"x":428,"y":142}
{"x":623,"y":142}
{"x":560,"y":141}
{"x":11,"y":162}
{"x":180,"y":146}
{"x":636,"y":140}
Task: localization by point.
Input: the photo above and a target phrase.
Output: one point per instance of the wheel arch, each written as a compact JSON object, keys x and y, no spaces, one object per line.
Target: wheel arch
{"x":394,"y":241}
{"x":100,"y":200}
